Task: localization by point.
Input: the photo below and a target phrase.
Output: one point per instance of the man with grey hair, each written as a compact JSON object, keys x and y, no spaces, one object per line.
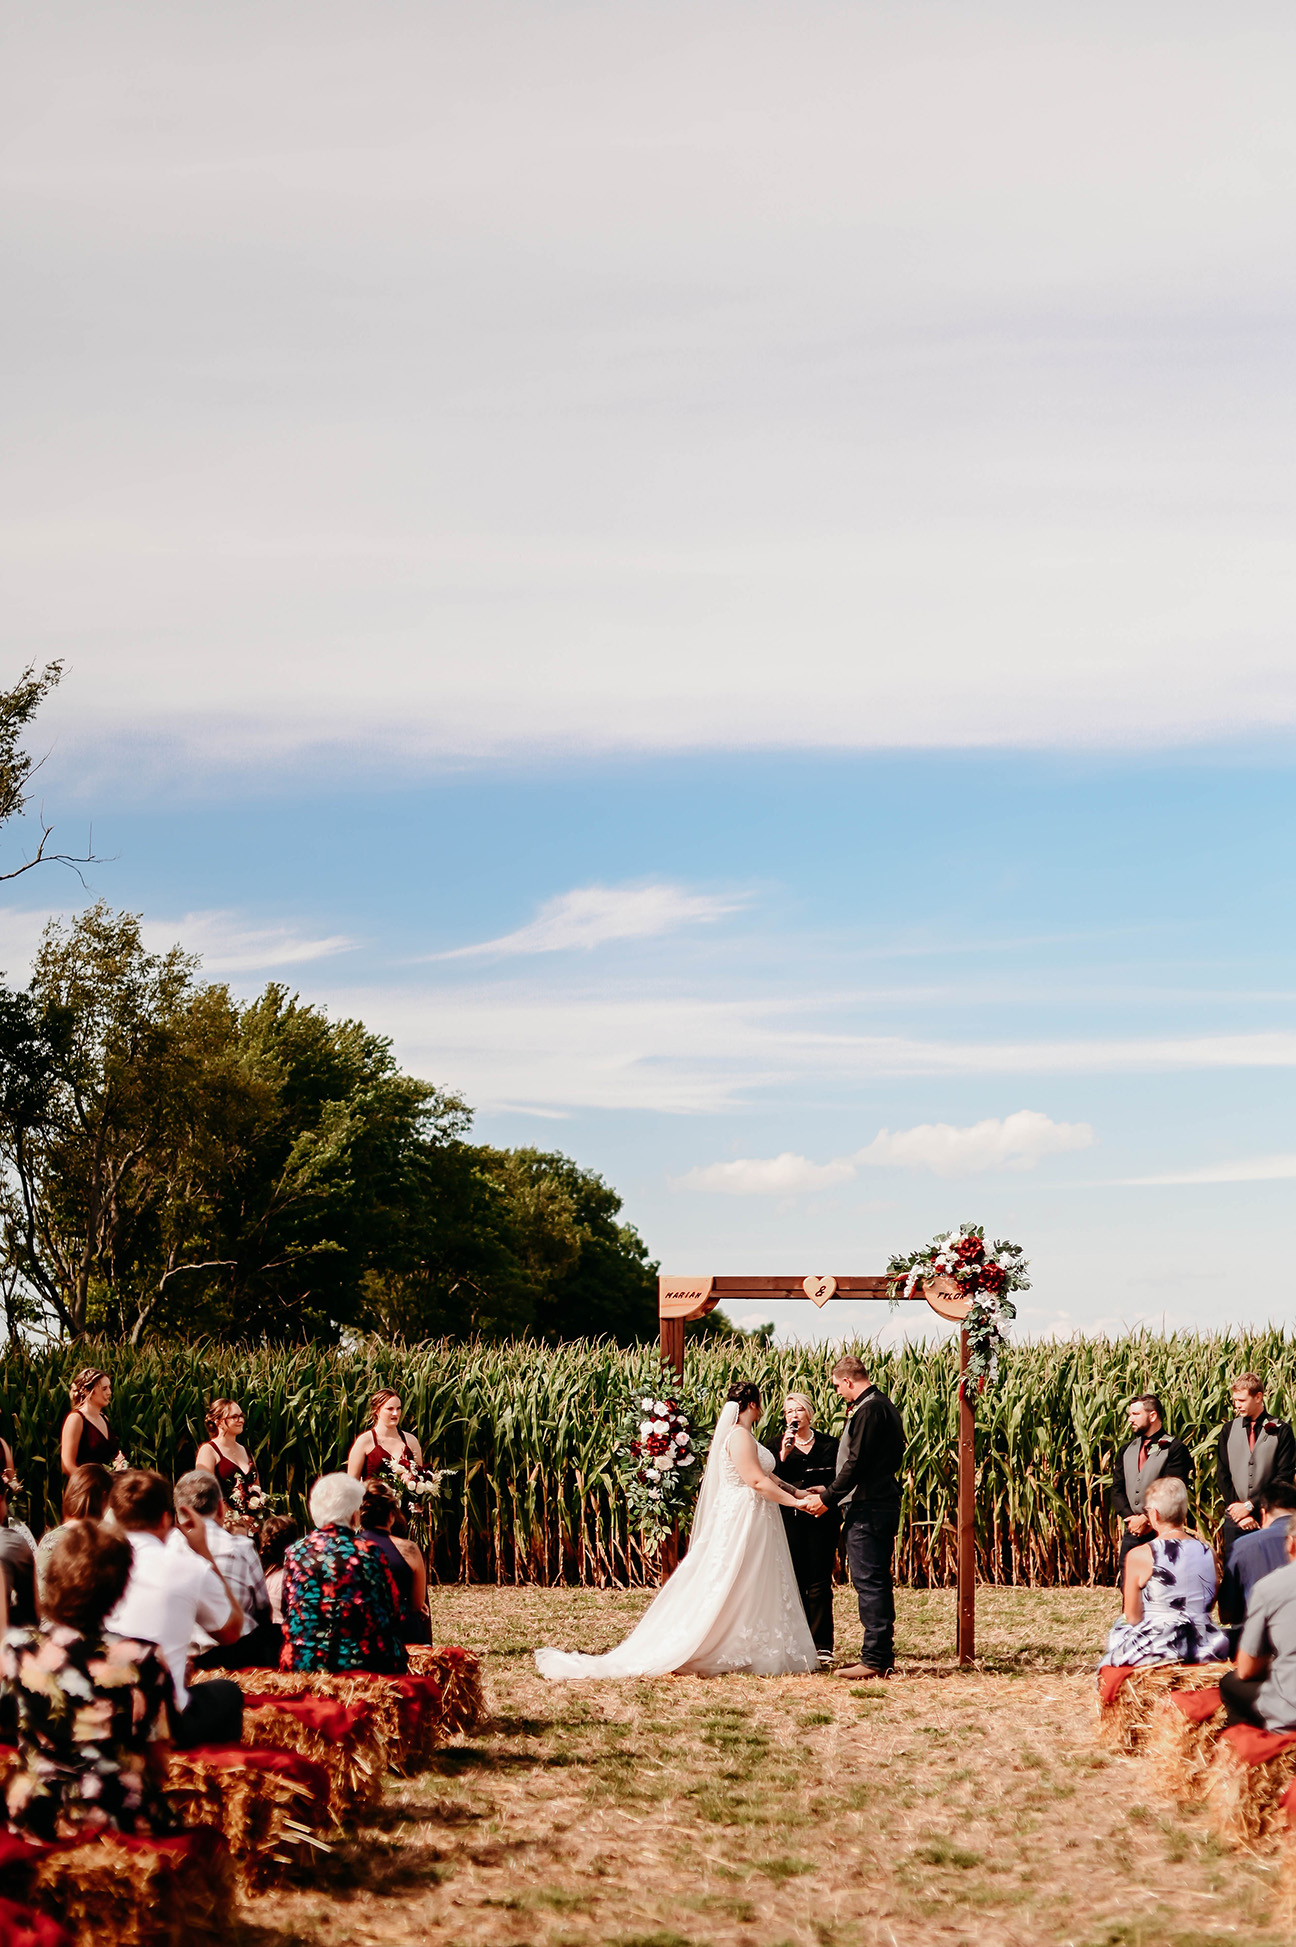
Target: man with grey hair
{"x":260,"y":1642}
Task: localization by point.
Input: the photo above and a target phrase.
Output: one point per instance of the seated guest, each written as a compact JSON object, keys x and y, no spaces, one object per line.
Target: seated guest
{"x":171,"y":1593}
{"x":1152,"y":1454}
{"x":1262,"y":1690}
{"x":341,"y":1607}
{"x":1169,"y":1589}
{"x":278,"y":1533}
{"x":91,"y":1707}
{"x":18,"y":1607}
{"x":259,"y":1644}
{"x":84,"y":1499}
{"x":378,"y":1510}
{"x":1256,"y":1554}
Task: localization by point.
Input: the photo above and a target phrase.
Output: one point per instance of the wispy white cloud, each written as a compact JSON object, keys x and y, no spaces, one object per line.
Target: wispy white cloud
{"x":1255,"y":1169}
{"x":1014,"y":1142}
{"x":227,"y":944}
{"x":591,"y":916}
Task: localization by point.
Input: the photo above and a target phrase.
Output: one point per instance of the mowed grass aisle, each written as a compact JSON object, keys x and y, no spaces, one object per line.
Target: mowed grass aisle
{"x":747,"y":1812}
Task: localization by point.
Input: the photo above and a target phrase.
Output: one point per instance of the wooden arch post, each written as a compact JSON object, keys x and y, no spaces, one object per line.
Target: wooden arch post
{"x":681,"y":1299}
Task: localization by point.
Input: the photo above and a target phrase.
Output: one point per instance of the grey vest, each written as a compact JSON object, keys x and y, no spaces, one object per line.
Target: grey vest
{"x":1250,"y":1466}
{"x":1139,"y":1479}
{"x":842,"y":1455}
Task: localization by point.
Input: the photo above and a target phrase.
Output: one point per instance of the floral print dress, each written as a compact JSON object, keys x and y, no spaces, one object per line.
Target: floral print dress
{"x":341,"y":1609}
{"x":88,"y":1708}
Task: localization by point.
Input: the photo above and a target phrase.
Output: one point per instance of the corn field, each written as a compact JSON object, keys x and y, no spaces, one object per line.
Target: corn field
{"x":531,"y":1433}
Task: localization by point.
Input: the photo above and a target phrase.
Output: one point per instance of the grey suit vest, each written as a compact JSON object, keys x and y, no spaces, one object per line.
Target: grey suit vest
{"x":1250,"y":1466}
{"x":843,"y":1452}
{"x":1139,"y":1479}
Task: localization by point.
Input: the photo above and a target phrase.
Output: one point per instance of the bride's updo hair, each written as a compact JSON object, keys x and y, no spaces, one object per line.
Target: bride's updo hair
{"x":744,"y":1394}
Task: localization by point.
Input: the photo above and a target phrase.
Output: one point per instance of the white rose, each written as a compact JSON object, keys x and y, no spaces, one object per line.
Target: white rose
{"x":653,"y":1475}
{"x":667,"y":1460}
{"x":645,"y":1406}
{"x":661,"y":1409}
{"x":686,"y":1460}
{"x":683,"y":1419}
{"x":681,"y":1439}
{"x":645,"y":1428}
{"x":661,"y":1426}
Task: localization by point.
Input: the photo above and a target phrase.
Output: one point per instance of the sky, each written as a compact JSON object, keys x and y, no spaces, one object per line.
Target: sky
{"x":721,"y":573}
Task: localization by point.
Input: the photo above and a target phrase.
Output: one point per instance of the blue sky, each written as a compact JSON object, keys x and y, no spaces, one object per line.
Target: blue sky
{"x":721,"y":573}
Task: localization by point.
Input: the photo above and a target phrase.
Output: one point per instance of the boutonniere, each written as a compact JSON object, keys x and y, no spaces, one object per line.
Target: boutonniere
{"x":1270,"y":1426}
{"x":1162,"y":1440}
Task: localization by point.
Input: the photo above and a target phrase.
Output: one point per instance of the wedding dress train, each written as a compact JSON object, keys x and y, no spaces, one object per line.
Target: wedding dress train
{"x":732,"y":1604}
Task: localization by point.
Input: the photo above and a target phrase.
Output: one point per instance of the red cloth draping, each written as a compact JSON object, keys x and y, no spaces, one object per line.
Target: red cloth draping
{"x":322,"y":1714}
{"x":1288,"y":1803}
{"x":1110,"y":1678}
{"x":1255,"y":1746}
{"x":307,"y":1772}
{"x":1197,"y":1705}
{"x":22,"y":1926}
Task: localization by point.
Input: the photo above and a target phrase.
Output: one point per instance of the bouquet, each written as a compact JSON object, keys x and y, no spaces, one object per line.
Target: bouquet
{"x":415,"y":1486}
{"x":985,"y":1274}
{"x":660,"y":1475}
{"x":248,"y":1501}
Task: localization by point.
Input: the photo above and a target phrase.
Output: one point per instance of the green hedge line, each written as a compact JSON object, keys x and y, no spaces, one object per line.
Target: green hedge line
{"x":532,"y":1432}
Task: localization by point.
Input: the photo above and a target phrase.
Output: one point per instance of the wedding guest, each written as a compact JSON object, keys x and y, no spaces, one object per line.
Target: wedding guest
{"x":866,"y":1489}
{"x":808,"y":1459}
{"x":1262,"y":1689}
{"x":341,"y":1608}
{"x":171,"y":1593}
{"x":1254,"y":1450}
{"x":1152,"y":1454}
{"x":1256,"y":1554}
{"x":91,"y":1707}
{"x":1169,"y":1591}
{"x":222,"y":1453}
{"x":384,"y":1439}
{"x":378,"y":1510}
{"x":260,"y":1642}
{"x":87,"y":1435}
{"x":278,"y":1533}
{"x":18,"y":1603}
{"x":84,"y":1499}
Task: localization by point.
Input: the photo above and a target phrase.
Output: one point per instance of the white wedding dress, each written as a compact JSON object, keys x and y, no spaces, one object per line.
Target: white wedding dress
{"x":733,"y":1602}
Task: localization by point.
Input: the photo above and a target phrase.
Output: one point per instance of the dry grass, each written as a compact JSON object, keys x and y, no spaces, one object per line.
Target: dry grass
{"x":792,"y":1812}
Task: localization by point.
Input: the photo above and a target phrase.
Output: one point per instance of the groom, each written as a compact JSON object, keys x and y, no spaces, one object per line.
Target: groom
{"x":865,"y":1488}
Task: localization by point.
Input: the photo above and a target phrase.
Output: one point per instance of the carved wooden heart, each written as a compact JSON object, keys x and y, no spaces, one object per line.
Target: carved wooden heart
{"x":947,"y":1297}
{"x":819,"y":1289}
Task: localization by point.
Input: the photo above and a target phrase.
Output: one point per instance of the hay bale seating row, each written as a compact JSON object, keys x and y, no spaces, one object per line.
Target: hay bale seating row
{"x":1127,"y":1696}
{"x":314,"y":1754}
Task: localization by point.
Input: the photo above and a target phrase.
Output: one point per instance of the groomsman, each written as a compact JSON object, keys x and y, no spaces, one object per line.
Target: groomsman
{"x":1153,"y":1454}
{"x":867,"y":1490}
{"x":1255,"y":1452}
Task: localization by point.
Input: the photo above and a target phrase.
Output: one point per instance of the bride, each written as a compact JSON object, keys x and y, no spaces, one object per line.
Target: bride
{"x":733,"y":1602}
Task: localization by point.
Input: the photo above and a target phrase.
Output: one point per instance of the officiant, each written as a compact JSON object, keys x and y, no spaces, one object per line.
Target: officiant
{"x":808,"y":1458}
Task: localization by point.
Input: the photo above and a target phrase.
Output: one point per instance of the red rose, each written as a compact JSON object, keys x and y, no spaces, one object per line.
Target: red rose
{"x":968,"y":1249}
{"x":994,"y":1279}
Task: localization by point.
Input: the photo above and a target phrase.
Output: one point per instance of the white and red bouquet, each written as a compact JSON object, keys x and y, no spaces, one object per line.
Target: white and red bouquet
{"x":661,"y":1476}
{"x":985,"y":1274}
{"x":415,"y":1486}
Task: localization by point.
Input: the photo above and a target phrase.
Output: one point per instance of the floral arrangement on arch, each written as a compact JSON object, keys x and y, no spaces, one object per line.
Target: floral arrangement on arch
{"x":986,"y":1274}
{"x":661,"y":1475}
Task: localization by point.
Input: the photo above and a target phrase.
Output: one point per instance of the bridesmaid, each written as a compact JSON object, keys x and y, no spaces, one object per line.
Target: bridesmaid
{"x":385,"y":1439}
{"x":223,"y":1454}
{"x":87,"y":1437}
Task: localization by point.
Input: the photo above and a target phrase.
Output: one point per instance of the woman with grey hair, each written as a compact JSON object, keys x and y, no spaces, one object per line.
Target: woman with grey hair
{"x":808,"y":1459}
{"x":341,"y":1608}
{"x":1169,"y":1591}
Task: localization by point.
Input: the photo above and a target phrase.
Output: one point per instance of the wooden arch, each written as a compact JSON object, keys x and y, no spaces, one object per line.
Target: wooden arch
{"x":680,"y":1300}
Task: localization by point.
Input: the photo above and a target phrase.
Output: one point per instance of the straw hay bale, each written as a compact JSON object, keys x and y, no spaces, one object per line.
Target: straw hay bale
{"x":113,"y":1892}
{"x":1245,"y":1801}
{"x":352,"y":1758}
{"x":263,"y":1814}
{"x":1123,"y":1724}
{"x":407,"y":1729}
{"x":1177,"y":1750}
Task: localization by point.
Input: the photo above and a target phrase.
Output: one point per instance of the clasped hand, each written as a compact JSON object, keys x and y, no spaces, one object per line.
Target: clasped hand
{"x":813,"y":1504}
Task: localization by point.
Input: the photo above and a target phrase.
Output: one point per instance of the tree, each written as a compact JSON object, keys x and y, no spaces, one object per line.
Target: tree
{"x":18,"y":705}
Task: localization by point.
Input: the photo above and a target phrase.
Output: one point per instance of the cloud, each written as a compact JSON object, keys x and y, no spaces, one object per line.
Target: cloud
{"x":1017,"y":1142}
{"x":228,"y":945}
{"x":593,"y":916}
{"x":777,"y":1176}
{"x":1259,"y":1169}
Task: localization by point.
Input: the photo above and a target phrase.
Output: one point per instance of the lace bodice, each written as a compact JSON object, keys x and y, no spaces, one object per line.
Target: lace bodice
{"x":733,"y":1480}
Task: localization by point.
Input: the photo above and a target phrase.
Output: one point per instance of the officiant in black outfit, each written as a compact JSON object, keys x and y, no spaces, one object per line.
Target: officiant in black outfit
{"x":808,"y":1458}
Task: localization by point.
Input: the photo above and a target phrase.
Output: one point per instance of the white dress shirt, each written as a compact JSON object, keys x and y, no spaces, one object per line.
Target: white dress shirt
{"x":171,"y":1592}
{"x":240,"y":1564}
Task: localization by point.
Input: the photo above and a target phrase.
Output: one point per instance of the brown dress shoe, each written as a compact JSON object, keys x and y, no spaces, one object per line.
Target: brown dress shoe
{"x":861,"y":1672}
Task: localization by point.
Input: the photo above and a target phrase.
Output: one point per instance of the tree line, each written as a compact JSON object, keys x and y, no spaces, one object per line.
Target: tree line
{"x":175,"y":1161}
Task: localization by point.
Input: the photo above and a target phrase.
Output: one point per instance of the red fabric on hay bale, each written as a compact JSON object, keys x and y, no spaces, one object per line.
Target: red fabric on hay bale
{"x":20,"y":1926}
{"x":307,"y":1772}
{"x":1110,"y":1678}
{"x":1255,"y":1746}
{"x":116,"y":1891}
{"x":1197,"y":1705}
{"x":340,"y":1737}
{"x":332,"y":1720}
{"x":1288,"y":1802}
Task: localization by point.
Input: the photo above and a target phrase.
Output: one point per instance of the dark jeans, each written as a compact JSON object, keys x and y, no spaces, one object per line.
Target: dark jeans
{"x":869,"y":1531}
{"x":213,"y":1715}
{"x":258,"y":1650}
{"x":1239,"y":1694}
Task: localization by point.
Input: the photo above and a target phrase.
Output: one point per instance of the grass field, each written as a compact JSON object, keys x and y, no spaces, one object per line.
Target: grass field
{"x":788,"y":1812}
